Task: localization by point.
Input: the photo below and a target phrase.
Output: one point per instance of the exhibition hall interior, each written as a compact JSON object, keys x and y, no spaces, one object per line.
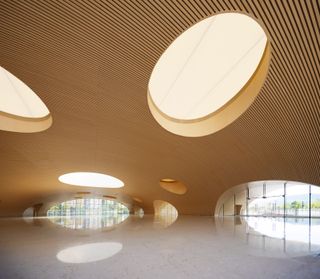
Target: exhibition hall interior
{"x":159,"y":139}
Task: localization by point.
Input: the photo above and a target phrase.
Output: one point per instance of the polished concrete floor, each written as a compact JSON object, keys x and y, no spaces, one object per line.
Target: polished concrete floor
{"x":148,"y":247}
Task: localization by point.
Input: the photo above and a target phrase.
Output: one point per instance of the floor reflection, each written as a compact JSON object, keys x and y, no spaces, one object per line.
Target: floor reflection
{"x":91,"y":252}
{"x":248,"y":248}
{"x":288,"y":235}
{"x":164,"y":220}
{"x":35,"y":221}
{"x":88,"y":221}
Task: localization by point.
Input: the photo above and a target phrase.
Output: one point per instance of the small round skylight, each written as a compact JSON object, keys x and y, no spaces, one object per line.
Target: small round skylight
{"x":173,"y":186}
{"x":205,"y":70}
{"x":137,"y":199}
{"x":168,"y":180}
{"x":91,"y":179}
{"x":21,"y":110}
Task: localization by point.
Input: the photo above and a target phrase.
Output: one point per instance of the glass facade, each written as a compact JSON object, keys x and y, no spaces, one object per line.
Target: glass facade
{"x":271,"y":206}
{"x":88,"y":221}
{"x":88,"y":207}
{"x":315,"y":202}
{"x":297,"y":200}
{"x":275,"y":199}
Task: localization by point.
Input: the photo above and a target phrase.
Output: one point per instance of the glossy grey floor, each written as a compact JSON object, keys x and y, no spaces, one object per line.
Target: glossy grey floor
{"x":148,"y":247}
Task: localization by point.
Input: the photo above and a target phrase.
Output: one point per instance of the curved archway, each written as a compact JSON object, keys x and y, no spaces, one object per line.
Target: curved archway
{"x":138,"y":211}
{"x":88,"y":213}
{"x":165,"y":214}
{"x":29,"y":212}
{"x":275,"y":198}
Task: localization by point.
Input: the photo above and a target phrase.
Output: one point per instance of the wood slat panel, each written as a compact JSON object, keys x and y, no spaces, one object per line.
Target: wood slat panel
{"x":90,"y":61}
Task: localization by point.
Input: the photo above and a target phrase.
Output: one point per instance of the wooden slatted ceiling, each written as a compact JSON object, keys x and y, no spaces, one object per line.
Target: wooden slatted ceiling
{"x":90,"y":61}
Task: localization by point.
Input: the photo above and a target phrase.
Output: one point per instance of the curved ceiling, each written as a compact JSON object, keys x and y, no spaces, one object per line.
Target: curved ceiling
{"x":90,"y":62}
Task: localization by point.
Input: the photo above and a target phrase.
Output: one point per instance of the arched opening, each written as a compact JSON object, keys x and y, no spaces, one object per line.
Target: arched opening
{"x":270,"y":199}
{"x":165,"y":214}
{"x":138,"y":211}
{"x":32,"y":211}
{"x":88,"y":213}
{"x":29,"y":212}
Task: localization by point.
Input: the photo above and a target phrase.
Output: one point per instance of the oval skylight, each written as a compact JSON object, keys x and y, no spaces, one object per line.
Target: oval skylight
{"x":89,"y":252}
{"x":21,"y":110}
{"x":91,"y":179}
{"x":205,"y":69}
{"x":173,"y":186}
{"x":137,"y":199}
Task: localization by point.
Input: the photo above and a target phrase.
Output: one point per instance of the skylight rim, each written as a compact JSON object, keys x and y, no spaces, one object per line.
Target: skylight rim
{"x":110,"y":181}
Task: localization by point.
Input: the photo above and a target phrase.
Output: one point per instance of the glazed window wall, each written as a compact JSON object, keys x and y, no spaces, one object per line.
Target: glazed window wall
{"x":85,"y":207}
{"x":315,"y":202}
{"x":273,"y":198}
{"x":88,"y":221}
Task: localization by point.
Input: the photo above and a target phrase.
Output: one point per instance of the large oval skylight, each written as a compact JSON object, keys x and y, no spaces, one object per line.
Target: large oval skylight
{"x":91,"y":179}
{"x":205,"y":68}
{"x":21,"y":110}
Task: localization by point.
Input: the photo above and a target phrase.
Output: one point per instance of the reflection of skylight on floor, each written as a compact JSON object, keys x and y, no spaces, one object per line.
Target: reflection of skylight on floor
{"x":89,"y":252}
{"x":91,"y":179}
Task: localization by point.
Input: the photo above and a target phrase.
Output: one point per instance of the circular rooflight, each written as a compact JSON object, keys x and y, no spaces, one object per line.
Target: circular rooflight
{"x":91,"y":179}
{"x":168,"y":180}
{"x":209,"y":75}
{"x":173,"y":186}
{"x":21,"y":110}
{"x":137,"y":199}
